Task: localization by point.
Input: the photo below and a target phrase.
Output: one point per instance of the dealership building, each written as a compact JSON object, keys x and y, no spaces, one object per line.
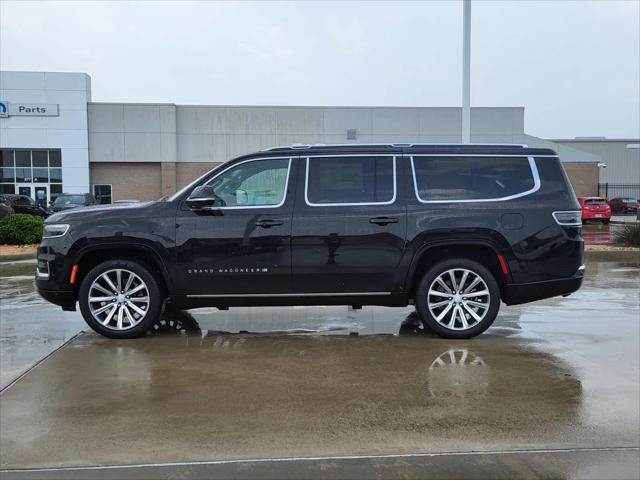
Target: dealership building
{"x":54,"y":139}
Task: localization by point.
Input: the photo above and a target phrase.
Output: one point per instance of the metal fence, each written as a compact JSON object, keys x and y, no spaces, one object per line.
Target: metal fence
{"x":616,"y":190}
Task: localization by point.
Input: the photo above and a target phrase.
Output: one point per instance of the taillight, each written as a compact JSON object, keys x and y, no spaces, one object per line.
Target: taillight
{"x":568,"y":218}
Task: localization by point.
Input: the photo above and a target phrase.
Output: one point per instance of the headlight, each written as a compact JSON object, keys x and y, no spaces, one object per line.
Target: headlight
{"x":55,"y":230}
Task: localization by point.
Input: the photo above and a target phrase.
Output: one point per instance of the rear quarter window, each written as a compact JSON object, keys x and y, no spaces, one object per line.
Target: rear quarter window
{"x":450,"y":179}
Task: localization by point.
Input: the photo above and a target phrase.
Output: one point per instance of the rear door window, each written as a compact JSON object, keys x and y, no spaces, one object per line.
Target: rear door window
{"x":350,"y":180}
{"x":469,"y":179}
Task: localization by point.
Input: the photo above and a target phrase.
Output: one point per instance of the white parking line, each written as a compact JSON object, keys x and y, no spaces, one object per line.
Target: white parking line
{"x":322,"y":458}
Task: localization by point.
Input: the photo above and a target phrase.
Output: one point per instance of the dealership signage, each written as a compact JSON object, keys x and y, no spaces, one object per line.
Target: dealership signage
{"x":28,"y":109}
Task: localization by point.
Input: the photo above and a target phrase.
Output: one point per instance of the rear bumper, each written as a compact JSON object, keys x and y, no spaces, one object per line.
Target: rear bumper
{"x":594,"y":215}
{"x":65,"y":299}
{"x":517,"y":293}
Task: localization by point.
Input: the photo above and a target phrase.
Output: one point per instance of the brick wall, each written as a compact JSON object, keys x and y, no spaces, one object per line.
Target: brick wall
{"x":186,"y":172}
{"x":129,"y":180}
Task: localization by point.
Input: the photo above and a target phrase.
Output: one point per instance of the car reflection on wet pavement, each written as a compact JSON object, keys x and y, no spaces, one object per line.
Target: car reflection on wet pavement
{"x":297,"y":381}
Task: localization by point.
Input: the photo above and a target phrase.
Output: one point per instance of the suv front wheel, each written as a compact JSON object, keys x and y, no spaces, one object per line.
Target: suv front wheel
{"x":458,"y":298}
{"x":120,"y":299}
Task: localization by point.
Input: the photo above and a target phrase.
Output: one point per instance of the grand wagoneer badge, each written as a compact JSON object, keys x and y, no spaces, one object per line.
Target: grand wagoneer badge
{"x":211,"y":271}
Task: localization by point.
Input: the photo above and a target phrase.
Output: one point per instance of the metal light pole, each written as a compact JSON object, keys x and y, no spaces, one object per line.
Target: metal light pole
{"x":466,"y":73}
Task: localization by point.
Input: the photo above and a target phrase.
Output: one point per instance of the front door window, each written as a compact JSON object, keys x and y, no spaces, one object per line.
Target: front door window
{"x":253,"y":184}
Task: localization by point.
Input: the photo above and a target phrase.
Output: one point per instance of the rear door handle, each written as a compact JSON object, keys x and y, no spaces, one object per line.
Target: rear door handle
{"x":269,"y":223}
{"x":383,"y":220}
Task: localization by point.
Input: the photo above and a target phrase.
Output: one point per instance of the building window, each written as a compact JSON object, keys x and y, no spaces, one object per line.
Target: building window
{"x":102,"y":193}
{"x":31,"y":171}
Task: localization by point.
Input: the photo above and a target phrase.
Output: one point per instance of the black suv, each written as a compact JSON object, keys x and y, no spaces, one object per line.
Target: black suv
{"x":65,"y":201}
{"x":452,"y":229}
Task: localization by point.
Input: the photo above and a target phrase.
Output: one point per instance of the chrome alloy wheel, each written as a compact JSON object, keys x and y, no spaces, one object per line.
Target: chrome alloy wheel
{"x":118,"y":299}
{"x":458,"y":299}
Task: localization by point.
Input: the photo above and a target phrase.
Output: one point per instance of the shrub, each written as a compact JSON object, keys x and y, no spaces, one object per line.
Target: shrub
{"x":628,"y":235}
{"x":18,"y":229}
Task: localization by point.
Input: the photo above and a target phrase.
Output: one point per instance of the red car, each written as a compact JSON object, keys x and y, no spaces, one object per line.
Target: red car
{"x":624,"y":205}
{"x":595,"y":208}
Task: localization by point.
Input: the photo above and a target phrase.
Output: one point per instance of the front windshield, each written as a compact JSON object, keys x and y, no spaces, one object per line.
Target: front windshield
{"x":190,"y":185}
{"x":69,"y":200}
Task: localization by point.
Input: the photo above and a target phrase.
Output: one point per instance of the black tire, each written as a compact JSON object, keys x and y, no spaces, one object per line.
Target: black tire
{"x":153,"y":310}
{"x":606,"y":222}
{"x":421,"y":298}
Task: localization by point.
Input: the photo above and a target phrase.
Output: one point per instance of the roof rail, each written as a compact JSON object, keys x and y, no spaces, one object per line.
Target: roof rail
{"x":305,"y":146}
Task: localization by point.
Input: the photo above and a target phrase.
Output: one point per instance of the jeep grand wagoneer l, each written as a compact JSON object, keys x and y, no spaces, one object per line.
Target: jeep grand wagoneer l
{"x":453,"y":229}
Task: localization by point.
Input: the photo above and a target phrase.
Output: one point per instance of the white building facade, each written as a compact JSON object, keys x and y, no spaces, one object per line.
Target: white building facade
{"x":54,"y":139}
{"x":43,"y":133}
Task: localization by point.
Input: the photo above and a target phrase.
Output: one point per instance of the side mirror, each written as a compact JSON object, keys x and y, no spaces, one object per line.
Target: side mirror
{"x":204,"y":197}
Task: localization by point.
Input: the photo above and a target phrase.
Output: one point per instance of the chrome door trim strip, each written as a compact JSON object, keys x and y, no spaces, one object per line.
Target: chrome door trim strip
{"x":534,"y":173}
{"x":268,"y":295}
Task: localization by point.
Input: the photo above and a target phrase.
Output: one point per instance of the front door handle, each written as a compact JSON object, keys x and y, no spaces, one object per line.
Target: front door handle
{"x":383,"y":220}
{"x":269,"y":223}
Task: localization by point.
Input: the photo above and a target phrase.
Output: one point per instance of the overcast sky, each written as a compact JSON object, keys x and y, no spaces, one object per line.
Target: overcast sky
{"x":574,"y":66}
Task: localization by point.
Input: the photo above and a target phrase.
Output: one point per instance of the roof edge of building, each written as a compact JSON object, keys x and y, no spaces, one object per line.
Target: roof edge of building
{"x":305,"y":106}
{"x":594,"y":140}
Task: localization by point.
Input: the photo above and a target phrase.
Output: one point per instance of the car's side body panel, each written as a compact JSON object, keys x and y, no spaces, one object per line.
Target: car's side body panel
{"x":231,"y":250}
{"x":348,"y":248}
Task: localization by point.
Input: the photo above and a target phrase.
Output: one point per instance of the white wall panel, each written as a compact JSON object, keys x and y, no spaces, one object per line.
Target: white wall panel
{"x":68,"y":131}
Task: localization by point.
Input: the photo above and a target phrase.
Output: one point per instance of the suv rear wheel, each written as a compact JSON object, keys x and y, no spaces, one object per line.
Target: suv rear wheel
{"x":120,"y":299}
{"x":458,"y":298}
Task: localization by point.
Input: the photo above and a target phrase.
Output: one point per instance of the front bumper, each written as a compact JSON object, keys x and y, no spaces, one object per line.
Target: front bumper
{"x":517,"y":293}
{"x":65,"y":299}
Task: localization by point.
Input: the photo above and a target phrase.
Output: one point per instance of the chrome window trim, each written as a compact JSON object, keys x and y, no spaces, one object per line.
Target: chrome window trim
{"x":267,"y":295}
{"x":252,"y":207}
{"x":478,"y":155}
{"x":532,"y":165}
{"x":355,"y":204}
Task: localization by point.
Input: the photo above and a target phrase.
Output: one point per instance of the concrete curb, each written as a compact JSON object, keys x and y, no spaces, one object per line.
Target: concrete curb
{"x":613,"y":255}
{"x":18,"y":256}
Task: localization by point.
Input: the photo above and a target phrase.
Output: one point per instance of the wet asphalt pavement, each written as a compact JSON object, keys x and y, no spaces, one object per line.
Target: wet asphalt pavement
{"x":551,"y":390}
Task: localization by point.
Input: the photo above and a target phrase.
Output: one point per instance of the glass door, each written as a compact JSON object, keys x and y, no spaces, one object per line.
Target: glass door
{"x":41,"y":195}
{"x":38,"y":192}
